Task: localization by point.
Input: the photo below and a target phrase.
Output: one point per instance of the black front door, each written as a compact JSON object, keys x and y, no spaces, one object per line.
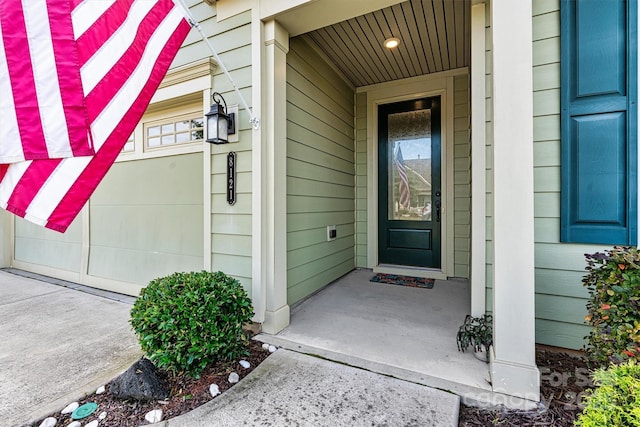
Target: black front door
{"x":409,"y":193}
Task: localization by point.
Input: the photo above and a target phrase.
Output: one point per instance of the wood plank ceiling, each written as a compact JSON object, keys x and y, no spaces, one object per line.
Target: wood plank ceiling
{"x":434,"y":36}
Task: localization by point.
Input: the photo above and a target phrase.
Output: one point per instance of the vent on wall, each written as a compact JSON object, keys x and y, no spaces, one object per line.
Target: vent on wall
{"x":331,"y":233}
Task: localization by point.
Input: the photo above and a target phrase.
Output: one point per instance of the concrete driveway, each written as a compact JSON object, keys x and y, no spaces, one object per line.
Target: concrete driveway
{"x":57,"y":343}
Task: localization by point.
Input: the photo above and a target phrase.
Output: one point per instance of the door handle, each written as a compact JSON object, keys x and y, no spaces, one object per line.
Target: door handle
{"x":437,"y":210}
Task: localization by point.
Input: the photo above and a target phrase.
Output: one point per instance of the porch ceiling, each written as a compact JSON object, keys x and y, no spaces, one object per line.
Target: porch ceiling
{"x":434,"y":36}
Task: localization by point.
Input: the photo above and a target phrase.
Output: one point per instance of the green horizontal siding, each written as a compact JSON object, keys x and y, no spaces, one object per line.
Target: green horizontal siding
{"x":560,"y":297}
{"x":461,"y":177}
{"x":489,"y":163}
{"x":320,"y":172}
{"x":230,"y":225}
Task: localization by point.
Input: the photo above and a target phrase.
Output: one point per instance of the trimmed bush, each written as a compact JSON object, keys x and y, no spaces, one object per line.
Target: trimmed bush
{"x":187,"y":320}
{"x":616,"y":400}
{"x":614,"y":309}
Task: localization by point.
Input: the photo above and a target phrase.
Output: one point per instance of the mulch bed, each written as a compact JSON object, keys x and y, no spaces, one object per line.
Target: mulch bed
{"x":564,"y":381}
{"x":186,"y":393}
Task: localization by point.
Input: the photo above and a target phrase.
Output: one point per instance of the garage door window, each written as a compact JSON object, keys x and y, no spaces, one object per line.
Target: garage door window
{"x":184,"y":130}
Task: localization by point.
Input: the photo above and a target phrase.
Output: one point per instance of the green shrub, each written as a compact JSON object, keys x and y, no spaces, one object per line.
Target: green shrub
{"x":616,"y":400}
{"x":614,"y":308}
{"x":187,"y":320}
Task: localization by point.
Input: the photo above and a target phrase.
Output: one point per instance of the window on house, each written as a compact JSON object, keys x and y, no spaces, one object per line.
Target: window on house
{"x":183,"y":130}
{"x":599,"y":121}
{"x":129,"y":145}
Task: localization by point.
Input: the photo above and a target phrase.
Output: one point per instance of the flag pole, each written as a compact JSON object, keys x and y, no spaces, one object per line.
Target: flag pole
{"x":255,"y":121}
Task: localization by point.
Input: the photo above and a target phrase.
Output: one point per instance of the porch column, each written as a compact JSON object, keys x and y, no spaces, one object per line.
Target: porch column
{"x":274,"y":121}
{"x":513,"y":367}
{"x":478,"y":162}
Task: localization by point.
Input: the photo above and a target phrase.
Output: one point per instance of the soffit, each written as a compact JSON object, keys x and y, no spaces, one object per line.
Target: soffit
{"x":434,"y":37}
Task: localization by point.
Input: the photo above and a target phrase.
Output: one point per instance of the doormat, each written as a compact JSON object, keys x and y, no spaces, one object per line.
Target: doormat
{"x":394,"y":279}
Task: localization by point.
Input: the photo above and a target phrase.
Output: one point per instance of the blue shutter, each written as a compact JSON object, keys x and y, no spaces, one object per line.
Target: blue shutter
{"x":599,"y":121}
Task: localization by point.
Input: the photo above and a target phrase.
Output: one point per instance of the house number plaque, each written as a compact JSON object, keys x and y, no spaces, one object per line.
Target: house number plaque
{"x":231,"y":178}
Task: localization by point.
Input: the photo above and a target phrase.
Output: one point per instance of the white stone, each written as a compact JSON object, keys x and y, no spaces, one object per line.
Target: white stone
{"x":102,"y":415}
{"x":48,"y":422}
{"x":234,"y":378}
{"x":101,"y":390}
{"x":75,"y":424}
{"x":154,"y":416}
{"x":265,"y":346}
{"x":70,"y":408}
{"x":93,"y":423}
{"x":272,"y":348}
{"x":245,"y":364}
{"x":214,"y":390}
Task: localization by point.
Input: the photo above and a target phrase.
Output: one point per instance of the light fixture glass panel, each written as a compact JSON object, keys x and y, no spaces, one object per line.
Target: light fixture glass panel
{"x":223,"y":128}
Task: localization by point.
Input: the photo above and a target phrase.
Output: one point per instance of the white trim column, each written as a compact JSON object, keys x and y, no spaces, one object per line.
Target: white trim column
{"x":6,"y":239}
{"x":478,"y":162}
{"x":274,"y":122}
{"x":513,"y":367}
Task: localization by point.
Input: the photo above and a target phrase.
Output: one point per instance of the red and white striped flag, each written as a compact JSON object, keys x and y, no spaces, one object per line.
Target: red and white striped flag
{"x":404,"y":193}
{"x":124,"y":49}
{"x":42,"y":112}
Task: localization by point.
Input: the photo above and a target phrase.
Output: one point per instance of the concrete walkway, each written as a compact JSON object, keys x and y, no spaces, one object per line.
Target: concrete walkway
{"x":56,"y":345}
{"x":293,"y":389}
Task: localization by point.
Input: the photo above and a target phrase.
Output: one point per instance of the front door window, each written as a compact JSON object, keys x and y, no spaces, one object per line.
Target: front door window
{"x":409,"y":158}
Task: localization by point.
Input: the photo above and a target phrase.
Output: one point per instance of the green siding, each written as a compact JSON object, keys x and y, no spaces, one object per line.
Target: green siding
{"x":230,"y":225}
{"x":461,"y":177}
{"x":361,"y":181}
{"x":154,"y":227}
{"x":559,"y":267}
{"x":320,"y":172}
{"x":489,"y":161}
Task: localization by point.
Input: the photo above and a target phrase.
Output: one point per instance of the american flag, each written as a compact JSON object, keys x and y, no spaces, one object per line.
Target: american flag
{"x":95,"y":63}
{"x":404,"y":195}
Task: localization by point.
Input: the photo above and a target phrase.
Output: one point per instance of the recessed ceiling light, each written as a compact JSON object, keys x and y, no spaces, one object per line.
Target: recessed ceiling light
{"x":391,"y":42}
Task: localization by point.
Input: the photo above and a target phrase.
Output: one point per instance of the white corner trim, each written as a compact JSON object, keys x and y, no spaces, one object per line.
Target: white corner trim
{"x":258,"y":220}
{"x":478,"y":161}
{"x":274,"y":175}
{"x":275,"y":321}
{"x":206,"y":190}
{"x":514,"y":379}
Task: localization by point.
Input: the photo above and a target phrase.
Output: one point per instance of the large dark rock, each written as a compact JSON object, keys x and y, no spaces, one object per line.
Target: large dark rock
{"x":141,"y":382}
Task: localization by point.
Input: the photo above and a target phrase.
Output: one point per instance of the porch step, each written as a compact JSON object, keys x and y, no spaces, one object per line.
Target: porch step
{"x":469,"y":395}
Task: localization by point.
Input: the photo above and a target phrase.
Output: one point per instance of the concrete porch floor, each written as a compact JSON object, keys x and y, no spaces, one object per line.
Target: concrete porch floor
{"x":408,"y":333}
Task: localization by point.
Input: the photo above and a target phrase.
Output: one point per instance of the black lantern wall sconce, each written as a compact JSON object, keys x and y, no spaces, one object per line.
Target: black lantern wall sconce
{"x":220,"y":124}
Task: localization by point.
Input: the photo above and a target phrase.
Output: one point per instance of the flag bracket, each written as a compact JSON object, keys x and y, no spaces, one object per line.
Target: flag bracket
{"x":255,"y":121}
